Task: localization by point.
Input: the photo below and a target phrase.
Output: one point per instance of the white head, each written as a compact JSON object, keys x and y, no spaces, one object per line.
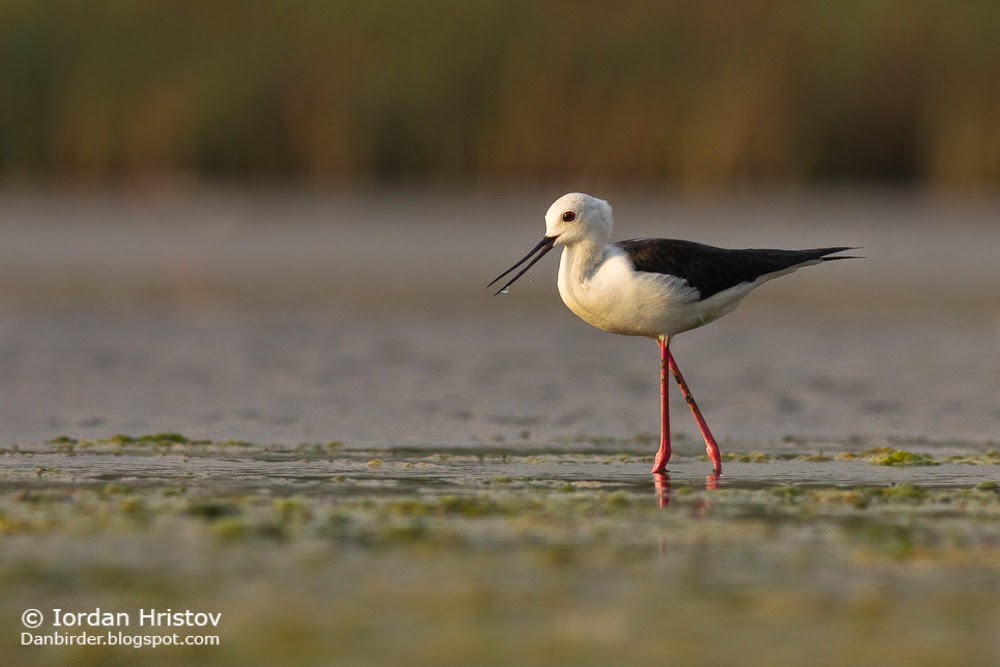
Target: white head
{"x":571,"y":219}
{"x":576,"y":216}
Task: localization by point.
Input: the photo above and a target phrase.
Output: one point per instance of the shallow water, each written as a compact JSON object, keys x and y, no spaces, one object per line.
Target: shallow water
{"x":243,"y":467}
{"x":323,"y":553}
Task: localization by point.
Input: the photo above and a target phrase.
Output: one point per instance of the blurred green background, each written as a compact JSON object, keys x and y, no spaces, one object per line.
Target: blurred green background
{"x":355,"y":94}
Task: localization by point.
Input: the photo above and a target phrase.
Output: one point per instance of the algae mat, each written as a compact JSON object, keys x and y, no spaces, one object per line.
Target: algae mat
{"x":322,"y":553}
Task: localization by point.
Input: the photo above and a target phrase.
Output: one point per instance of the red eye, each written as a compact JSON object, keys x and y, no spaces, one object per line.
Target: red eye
{"x":569,"y":216}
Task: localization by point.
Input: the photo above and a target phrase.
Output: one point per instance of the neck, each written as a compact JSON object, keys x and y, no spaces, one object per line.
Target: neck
{"x":583,"y":257}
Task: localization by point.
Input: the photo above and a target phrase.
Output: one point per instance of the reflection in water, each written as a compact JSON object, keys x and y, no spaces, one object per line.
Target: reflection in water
{"x":661,"y":485}
{"x":712,"y":481}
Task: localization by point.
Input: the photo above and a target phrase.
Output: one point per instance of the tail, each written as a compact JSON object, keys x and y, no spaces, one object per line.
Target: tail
{"x":823,"y":254}
{"x":758,"y":262}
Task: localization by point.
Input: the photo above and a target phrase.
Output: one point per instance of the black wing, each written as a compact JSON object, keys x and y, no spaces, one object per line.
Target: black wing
{"x":711,"y":270}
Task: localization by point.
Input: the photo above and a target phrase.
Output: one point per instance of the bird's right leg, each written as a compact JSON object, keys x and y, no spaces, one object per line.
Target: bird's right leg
{"x":710,"y":445}
{"x":663,"y":455}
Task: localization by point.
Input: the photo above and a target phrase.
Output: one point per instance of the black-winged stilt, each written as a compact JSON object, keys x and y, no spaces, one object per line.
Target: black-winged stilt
{"x":655,"y":288}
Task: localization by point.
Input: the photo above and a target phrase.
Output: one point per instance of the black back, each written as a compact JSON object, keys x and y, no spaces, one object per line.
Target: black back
{"x":711,"y":270}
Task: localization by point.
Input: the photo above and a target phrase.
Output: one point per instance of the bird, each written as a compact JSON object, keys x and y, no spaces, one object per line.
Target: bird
{"x":654,"y":287}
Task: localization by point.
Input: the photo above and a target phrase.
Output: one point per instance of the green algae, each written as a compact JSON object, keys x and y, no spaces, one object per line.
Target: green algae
{"x":466,"y":506}
{"x":898,"y":457}
{"x":293,"y":510}
{"x":858,"y":499}
{"x":751,"y":457}
{"x":904,"y":492}
{"x":155,"y":440}
{"x":787,"y":491}
{"x":887,"y":456}
{"x":231,"y":529}
{"x":989,"y":457}
{"x":135,"y":507}
{"x":815,"y":458}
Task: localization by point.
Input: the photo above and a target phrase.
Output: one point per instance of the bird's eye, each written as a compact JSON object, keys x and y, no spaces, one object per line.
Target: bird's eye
{"x":569,"y":216}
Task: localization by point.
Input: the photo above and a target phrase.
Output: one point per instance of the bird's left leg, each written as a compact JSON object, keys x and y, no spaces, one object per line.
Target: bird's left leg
{"x":710,"y":445}
{"x":663,"y":454}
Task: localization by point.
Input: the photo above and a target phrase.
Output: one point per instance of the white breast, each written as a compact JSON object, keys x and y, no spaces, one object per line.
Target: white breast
{"x":610,"y":295}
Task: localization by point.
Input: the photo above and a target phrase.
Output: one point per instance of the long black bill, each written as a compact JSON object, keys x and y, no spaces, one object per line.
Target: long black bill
{"x":546,"y":244}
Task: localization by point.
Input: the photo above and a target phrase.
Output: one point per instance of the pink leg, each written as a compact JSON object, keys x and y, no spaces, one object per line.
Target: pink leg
{"x":663,"y":455}
{"x":710,"y":445}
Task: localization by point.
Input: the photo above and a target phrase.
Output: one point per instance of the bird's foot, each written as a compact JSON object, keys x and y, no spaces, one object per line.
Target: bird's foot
{"x":713,"y":454}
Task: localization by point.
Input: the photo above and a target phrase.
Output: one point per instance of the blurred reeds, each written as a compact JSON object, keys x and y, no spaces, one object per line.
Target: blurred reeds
{"x":496,"y":91}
